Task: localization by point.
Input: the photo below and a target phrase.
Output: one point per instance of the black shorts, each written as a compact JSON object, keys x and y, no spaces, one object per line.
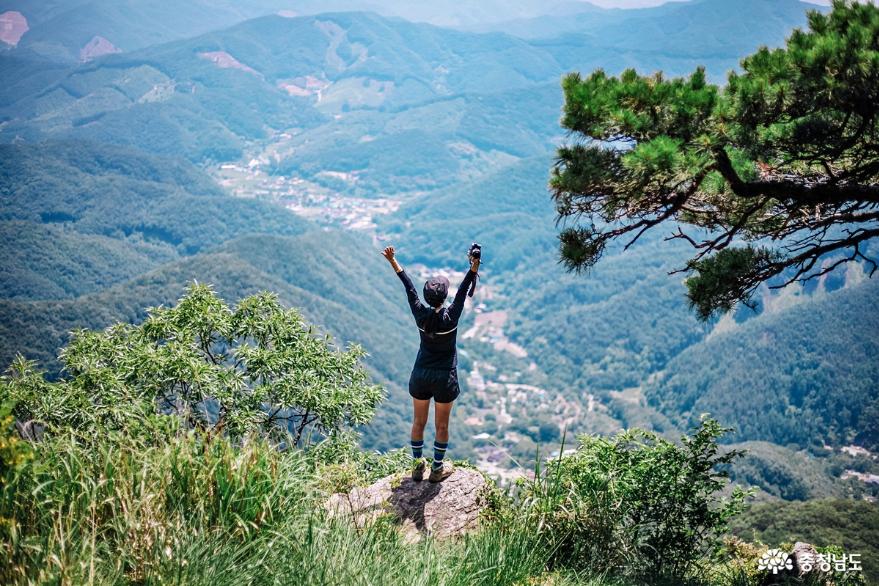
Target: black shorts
{"x":439,"y":385}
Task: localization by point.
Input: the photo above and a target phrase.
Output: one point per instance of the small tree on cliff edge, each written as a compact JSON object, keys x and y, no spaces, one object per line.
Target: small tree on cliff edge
{"x":259,"y":368}
{"x":786,"y":153}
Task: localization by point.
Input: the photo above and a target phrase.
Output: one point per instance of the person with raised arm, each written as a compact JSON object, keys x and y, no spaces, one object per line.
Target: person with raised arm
{"x":435,"y":374}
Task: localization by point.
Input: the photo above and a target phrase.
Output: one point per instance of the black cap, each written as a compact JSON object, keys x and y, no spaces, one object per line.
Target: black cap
{"x":436,"y":289}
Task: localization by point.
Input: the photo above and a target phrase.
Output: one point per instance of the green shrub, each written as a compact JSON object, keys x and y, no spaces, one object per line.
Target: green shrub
{"x":201,"y":509}
{"x":635,"y":503}
{"x":16,"y":457}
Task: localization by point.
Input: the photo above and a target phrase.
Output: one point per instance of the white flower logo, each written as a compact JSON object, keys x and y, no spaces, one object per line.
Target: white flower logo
{"x":775,"y":560}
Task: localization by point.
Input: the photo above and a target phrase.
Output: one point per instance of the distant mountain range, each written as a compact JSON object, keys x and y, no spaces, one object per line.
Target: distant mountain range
{"x":81,"y":30}
{"x":206,"y":97}
{"x":64,"y":30}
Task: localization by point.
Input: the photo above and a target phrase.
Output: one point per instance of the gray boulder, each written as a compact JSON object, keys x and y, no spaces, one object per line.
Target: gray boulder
{"x":440,"y":510}
{"x":804,"y":554}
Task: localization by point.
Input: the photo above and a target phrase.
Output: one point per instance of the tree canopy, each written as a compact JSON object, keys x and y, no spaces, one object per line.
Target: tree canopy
{"x":772,"y":177}
{"x":256,"y":368}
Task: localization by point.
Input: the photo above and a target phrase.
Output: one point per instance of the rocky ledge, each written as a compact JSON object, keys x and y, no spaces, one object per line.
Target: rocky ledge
{"x":440,"y":510}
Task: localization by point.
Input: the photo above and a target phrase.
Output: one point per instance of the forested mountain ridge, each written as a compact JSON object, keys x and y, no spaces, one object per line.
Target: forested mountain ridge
{"x":273,"y":72}
{"x":125,"y":204}
{"x":776,"y":379}
{"x":77,"y":263}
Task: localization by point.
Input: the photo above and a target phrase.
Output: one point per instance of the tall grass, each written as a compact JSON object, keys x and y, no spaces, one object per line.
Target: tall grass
{"x":118,"y":510}
{"x":194,"y":510}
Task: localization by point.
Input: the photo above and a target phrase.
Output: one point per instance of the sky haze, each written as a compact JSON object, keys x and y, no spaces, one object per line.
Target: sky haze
{"x":648,"y":3}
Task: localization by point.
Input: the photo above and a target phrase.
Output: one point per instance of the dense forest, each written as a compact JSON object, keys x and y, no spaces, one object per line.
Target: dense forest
{"x":816,"y":400}
{"x":851,"y":524}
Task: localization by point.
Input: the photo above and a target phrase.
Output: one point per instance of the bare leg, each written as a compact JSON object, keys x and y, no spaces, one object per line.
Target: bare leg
{"x":421,"y":409}
{"x":441,"y":413}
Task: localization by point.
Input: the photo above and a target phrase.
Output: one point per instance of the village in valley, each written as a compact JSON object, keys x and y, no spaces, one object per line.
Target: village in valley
{"x":306,"y":198}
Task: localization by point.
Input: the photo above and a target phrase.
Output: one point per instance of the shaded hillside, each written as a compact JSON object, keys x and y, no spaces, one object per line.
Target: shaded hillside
{"x":308,"y":271}
{"x":507,"y":210}
{"x":74,"y":264}
{"x":803,"y":376}
{"x":788,"y":474}
{"x":77,"y":217}
{"x":612,"y":328}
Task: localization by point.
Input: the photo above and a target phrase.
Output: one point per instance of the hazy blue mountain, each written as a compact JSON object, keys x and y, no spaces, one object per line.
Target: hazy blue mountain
{"x":469,"y":13}
{"x":674,"y":27}
{"x":66,"y":30}
{"x":274,"y":73}
{"x":61,"y":29}
{"x":206,"y":98}
{"x":674,"y":38}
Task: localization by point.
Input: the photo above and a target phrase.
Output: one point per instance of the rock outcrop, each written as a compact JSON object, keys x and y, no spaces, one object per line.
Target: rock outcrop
{"x":803,"y":554}
{"x":97,"y":47}
{"x":13,"y":25}
{"x":422,"y":508}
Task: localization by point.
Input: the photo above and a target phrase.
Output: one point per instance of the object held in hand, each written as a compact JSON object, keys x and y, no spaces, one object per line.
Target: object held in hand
{"x":475,"y":253}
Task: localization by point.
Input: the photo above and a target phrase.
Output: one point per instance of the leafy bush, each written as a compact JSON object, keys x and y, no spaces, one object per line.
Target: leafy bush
{"x":257,"y":368}
{"x":635,"y":502}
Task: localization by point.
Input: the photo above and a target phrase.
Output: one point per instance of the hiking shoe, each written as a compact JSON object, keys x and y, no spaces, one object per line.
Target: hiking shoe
{"x":441,"y":473}
{"x":418,"y":470}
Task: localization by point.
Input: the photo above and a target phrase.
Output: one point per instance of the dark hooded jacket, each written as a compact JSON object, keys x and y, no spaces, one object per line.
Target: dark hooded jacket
{"x":438,"y":350}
